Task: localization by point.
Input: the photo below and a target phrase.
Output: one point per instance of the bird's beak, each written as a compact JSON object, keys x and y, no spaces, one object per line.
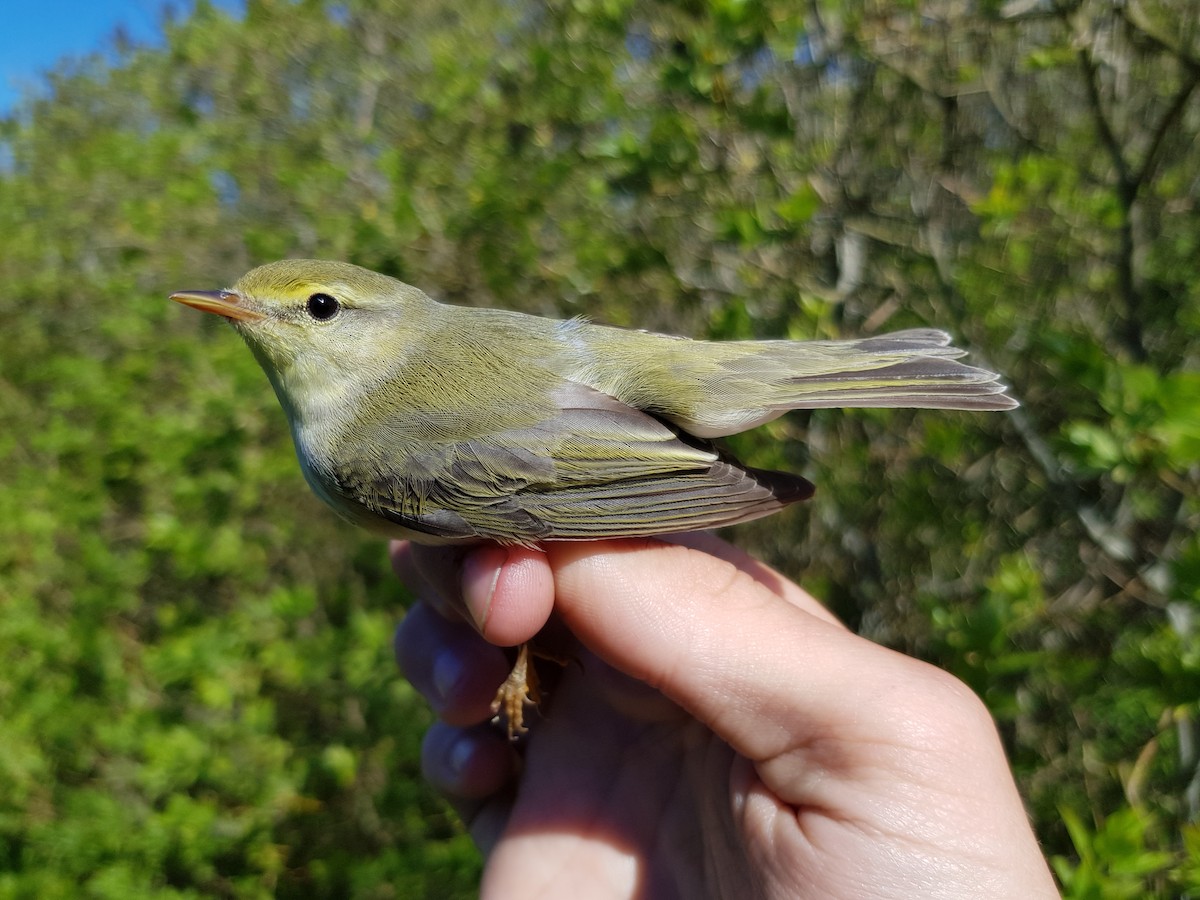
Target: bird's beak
{"x":223,"y":303}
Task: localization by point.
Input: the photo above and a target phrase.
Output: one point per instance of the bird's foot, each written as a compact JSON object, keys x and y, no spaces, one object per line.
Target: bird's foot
{"x":518,"y":689}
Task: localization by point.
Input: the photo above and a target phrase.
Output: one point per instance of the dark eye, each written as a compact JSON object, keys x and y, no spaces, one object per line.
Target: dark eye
{"x":322,"y":307}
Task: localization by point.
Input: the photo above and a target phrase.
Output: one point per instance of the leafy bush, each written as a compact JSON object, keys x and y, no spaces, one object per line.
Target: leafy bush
{"x":198,"y":697}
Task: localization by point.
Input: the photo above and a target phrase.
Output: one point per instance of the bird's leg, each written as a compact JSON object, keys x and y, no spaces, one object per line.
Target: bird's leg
{"x":519,"y":688}
{"x":524,"y":685}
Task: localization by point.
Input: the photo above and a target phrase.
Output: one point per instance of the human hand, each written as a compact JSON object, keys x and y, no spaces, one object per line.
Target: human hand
{"x":722,"y":735}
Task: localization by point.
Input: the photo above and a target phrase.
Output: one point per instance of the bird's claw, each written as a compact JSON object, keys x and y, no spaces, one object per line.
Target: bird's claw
{"x":519,"y":688}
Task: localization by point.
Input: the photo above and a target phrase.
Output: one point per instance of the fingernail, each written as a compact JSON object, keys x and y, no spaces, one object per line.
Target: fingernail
{"x":447,"y":673}
{"x":459,"y":756}
{"x":481,"y":573}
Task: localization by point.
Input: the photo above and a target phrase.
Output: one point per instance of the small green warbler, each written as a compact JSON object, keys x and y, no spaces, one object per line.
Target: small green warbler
{"x":439,"y":423}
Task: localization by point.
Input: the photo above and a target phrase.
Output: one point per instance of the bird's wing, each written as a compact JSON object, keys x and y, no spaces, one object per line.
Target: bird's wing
{"x":592,"y":468}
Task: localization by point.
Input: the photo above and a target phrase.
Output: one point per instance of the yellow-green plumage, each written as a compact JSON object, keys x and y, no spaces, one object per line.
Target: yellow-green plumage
{"x":441,"y":423}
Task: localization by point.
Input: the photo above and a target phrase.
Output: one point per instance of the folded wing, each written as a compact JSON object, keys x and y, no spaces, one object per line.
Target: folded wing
{"x":596,"y":468}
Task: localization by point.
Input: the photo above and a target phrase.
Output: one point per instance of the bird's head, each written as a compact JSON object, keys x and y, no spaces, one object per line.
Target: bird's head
{"x":311,"y":320}
{"x":326,"y":333}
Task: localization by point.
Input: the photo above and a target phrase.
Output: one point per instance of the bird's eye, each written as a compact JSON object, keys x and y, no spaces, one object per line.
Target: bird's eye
{"x":322,"y":307}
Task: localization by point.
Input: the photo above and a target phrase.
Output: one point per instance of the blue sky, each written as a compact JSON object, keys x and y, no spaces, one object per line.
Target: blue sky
{"x":37,"y":33}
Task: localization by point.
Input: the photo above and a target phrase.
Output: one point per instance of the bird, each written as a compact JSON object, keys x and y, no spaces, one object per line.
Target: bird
{"x":440,"y":424}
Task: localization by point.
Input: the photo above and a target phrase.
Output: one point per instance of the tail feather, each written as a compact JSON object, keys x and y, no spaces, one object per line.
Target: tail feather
{"x":911,"y":339}
{"x":759,"y":382}
{"x":919,"y":381}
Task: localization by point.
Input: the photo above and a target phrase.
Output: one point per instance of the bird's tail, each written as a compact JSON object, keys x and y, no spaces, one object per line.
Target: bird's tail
{"x":916,"y":368}
{"x":742,"y":384}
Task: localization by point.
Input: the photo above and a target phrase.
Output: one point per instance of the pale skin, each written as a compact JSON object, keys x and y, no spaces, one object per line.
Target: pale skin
{"x":718,"y":733}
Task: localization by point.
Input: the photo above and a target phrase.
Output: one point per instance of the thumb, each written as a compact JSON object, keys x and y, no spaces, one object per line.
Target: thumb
{"x":766,"y":674}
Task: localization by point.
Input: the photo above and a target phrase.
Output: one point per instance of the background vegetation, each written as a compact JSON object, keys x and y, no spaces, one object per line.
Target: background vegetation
{"x":197,"y":696}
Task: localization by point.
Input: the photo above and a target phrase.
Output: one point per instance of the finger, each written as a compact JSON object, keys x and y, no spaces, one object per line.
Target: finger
{"x":475,"y":769}
{"x":400,"y":553}
{"x":433,"y":574}
{"x":512,"y":612}
{"x":449,"y":664}
{"x":759,"y":571}
{"x":508,"y":592}
{"x":467,"y":764}
{"x":768,"y":677}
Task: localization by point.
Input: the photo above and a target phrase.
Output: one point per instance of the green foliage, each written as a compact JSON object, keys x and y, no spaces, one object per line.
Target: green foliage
{"x":1114,"y":859}
{"x":198,"y":697}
